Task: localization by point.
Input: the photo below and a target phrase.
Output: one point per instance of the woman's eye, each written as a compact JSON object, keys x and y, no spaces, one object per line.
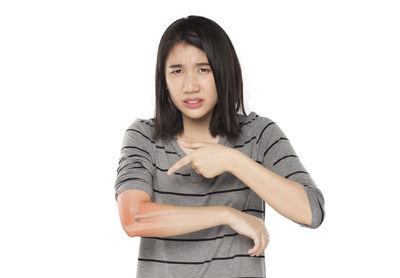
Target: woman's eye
{"x":205,"y":70}
{"x":174,"y":72}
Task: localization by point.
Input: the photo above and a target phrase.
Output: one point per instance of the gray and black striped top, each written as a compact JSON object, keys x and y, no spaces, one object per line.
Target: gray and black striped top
{"x":218,"y":251}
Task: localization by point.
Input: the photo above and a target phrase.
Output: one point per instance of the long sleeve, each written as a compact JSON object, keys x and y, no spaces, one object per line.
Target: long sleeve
{"x":278,"y":155}
{"x":135,"y":169}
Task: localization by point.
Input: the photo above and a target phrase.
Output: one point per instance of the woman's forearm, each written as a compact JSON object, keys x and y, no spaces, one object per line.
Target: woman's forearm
{"x":287,"y":197}
{"x":155,"y":219}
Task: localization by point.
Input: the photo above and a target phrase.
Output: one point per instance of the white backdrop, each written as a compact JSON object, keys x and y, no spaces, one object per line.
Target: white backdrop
{"x":75,"y":74}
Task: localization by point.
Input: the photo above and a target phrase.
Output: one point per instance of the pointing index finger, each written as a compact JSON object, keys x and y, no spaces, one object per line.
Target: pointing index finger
{"x":179,"y":164}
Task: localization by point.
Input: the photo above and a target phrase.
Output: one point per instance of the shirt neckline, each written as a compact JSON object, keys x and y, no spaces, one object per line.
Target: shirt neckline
{"x":222,"y":138}
{"x":221,"y":141}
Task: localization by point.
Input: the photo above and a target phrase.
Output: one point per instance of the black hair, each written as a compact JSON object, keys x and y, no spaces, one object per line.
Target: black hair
{"x":208,"y":36}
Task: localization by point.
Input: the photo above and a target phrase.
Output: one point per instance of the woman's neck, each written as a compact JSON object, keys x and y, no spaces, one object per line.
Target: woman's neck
{"x":197,"y":130}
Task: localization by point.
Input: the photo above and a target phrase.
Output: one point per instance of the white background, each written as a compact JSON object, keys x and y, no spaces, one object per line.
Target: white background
{"x":75,"y":74}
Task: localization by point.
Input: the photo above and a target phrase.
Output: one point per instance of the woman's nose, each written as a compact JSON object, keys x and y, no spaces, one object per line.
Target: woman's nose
{"x":190,"y":83}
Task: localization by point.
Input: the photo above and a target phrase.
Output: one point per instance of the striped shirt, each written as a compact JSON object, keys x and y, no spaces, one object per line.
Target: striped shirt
{"x":217,"y":251}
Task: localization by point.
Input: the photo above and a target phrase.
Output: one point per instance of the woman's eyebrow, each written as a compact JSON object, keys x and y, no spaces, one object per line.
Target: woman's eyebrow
{"x":180,"y":65}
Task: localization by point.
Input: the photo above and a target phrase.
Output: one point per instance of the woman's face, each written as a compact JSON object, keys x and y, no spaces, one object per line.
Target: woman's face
{"x":189,"y":75}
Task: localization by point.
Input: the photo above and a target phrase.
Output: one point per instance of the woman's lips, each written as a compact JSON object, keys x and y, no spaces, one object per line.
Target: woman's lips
{"x":194,"y":105}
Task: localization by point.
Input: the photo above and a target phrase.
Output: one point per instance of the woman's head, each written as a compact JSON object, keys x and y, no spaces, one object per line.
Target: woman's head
{"x":189,"y":77}
{"x":209,"y":39}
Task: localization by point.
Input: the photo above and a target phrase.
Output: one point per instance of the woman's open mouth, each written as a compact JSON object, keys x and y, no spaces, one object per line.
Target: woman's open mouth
{"x":193,"y":104}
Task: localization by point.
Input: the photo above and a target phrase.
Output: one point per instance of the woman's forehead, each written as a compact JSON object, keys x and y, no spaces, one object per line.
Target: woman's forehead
{"x":186,"y":53}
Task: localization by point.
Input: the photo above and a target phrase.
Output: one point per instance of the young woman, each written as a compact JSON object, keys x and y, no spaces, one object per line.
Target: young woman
{"x":193,"y":181}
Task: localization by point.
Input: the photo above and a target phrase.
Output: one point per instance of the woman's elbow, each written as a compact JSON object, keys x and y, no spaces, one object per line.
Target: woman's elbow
{"x":318,"y":214}
{"x":129,"y":231}
{"x":318,"y":219}
{"x":317,"y":205}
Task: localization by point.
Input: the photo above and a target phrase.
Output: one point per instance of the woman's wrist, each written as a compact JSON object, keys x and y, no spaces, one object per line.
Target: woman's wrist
{"x":231,"y":215}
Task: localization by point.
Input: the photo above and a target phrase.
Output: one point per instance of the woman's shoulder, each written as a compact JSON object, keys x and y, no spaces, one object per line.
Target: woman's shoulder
{"x":253,"y":121}
{"x":144,"y":125}
{"x":139,"y":132}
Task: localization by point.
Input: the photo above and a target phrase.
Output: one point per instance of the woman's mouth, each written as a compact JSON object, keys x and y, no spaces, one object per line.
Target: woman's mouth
{"x":193,"y":104}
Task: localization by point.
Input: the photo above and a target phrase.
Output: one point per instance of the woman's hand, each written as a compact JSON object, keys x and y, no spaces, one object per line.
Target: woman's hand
{"x":252,"y":227}
{"x":209,"y":159}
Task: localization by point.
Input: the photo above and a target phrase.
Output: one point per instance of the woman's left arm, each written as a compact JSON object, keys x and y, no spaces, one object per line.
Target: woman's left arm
{"x":287,"y":197}
{"x":297,"y":198}
{"x":280,"y":178}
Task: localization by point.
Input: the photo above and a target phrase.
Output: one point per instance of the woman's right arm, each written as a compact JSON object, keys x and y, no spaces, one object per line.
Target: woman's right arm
{"x":141,"y":217}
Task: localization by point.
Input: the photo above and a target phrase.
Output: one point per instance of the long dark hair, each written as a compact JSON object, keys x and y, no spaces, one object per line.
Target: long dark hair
{"x":208,"y":36}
